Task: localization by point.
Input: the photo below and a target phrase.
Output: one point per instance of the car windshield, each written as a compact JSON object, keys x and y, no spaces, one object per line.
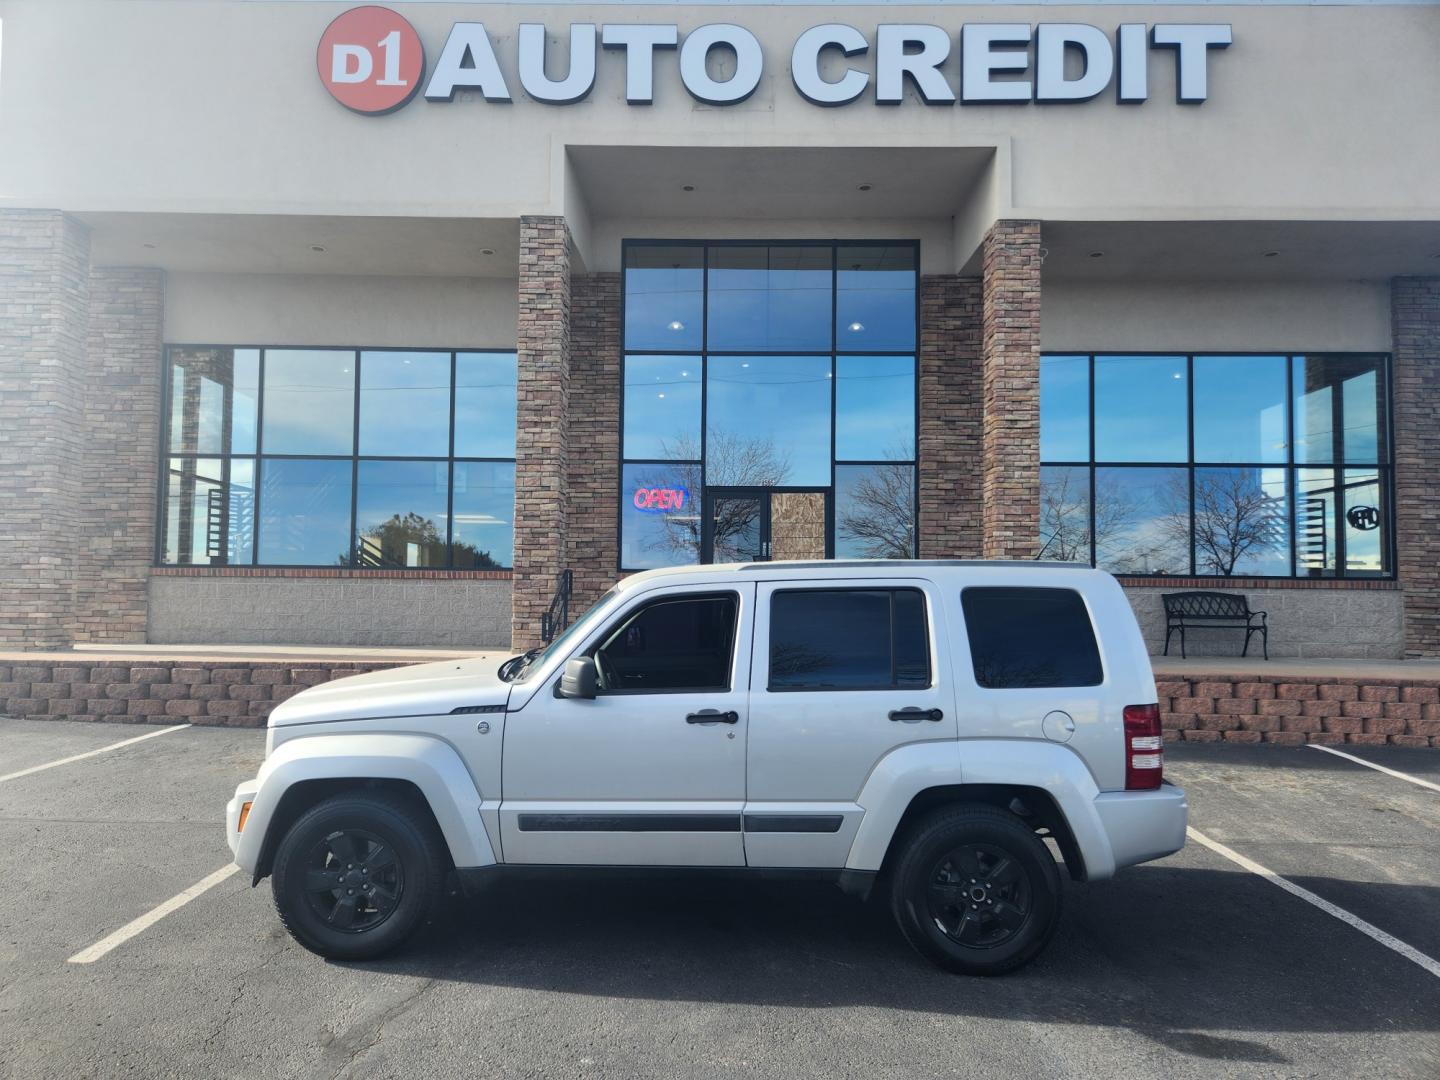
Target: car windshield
{"x":535,"y":659}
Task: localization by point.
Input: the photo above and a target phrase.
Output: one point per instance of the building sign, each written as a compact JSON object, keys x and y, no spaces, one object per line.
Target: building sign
{"x":371,"y":59}
{"x":659,"y":500}
{"x":1364,"y":518}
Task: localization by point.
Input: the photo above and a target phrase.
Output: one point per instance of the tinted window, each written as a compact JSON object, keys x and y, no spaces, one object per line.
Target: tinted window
{"x":1141,"y":406}
{"x":485,"y":395}
{"x":770,"y":299}
{"x":309,"y":401}
{"x":848,"y":639}
{"x":405,"y":404}
{"x":664,"y":297}
{"x":682,"y":644}
{"x":1030,"y":637}
{"x":1240,"y":408}
{"x":768,"y":421}
{"x":875,"y":297}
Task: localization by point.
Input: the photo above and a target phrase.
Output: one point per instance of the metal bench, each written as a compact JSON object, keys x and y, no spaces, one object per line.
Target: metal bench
{"x":1213,"y":611}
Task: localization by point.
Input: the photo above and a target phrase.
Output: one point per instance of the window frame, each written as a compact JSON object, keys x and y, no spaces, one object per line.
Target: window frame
{"x":704,"y":352}
{"x":1385,"y":468}
{"x":629,"y":614}
{"x":831,"y":587}
{"x":354,"y":457}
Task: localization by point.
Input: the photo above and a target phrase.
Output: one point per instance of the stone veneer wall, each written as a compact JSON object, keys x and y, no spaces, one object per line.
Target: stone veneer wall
{"x":1011,"y":388}
{"x":1345,"y":622}
{"x":115,"y":526}
{"x":1415,"y":311}
{"x":543,"y":405}
{"x":951,"y":424}
{"x":44,"y":313}
{"x":447,"y":609}
{"x":592,"y":545}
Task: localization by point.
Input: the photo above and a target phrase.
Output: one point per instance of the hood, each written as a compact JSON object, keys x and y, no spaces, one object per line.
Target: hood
{"x":414,"y":690}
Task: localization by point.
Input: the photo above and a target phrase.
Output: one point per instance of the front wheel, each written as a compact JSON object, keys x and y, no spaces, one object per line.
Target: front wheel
{"x":357,"y":874}
{"x":975,"y":890}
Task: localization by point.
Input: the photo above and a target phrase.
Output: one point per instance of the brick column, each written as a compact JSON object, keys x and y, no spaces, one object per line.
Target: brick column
{"x":1011,"y":389}
{"x":541,"y":457}
{"x":951,"y":404}
{"x":44,"y":302}
{"x":115,"y":532}
{"x":592,"y":542}
{"x":1415,"y":319}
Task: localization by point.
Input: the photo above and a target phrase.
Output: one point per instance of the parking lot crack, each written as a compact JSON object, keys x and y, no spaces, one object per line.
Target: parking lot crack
{"x":362,"y":1038}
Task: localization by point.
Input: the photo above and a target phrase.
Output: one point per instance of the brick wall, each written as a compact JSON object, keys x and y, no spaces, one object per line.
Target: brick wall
{"x":1415,"y":311}
{"x":114,"y":540}
{"x":592,"y":544}
{"x":44,"y":307}
{"x":543,"y":393}
{"x":1293,"y":710}
{"x":1011,"y":390}
{"x":951,"y":405}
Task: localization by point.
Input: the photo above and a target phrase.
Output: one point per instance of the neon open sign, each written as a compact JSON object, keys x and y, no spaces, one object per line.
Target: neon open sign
{"x":660,"y":500}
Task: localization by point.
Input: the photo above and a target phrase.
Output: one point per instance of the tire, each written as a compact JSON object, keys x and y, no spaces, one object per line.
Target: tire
{"x":384,"y":863}
{"x":997,"y":924}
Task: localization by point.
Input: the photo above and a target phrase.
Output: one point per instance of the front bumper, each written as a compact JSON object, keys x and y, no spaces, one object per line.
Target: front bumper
{"x":1143,"y":825}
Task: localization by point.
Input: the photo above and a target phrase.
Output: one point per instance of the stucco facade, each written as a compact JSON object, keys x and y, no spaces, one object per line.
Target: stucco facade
{"x":218,"y":194}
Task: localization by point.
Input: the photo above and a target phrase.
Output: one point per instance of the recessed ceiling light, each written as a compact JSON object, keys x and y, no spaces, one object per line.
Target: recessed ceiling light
{"x":1097,"y":254}
{"x":864,"y":187}
{"x":316,"y":247}
{"x":856,"y":327}
{"x":1270,"y":254}
{"x":688,"y":187}
{"x":675,"y":324}
{"x":684,"y":374}
{"x":660,"y":395}
{"x":487,"y":251}
{"x":745,"y":363}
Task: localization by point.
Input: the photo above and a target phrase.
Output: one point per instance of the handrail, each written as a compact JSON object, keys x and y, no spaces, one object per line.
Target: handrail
{"x":556,"y":619}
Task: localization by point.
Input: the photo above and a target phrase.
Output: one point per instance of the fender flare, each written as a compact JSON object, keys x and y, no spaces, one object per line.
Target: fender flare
{"x":908,"y":770}
{"x":432,"y":765}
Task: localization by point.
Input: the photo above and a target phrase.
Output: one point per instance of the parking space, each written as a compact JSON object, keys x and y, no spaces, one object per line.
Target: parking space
{"x":1188,"y":967}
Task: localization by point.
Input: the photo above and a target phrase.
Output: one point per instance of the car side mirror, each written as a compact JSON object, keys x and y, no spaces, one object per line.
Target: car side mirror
{"x":580,"y":680}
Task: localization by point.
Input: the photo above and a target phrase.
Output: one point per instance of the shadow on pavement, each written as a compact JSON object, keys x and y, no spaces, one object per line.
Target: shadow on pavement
{"x":1174,"y":954}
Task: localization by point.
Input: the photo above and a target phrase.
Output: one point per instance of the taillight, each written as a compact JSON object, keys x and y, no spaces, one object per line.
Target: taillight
{"x":1144,"y":748}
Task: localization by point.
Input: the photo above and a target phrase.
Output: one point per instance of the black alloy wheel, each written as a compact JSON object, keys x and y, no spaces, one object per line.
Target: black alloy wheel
{"x":357,"y":874}
{"x":974,"y":890}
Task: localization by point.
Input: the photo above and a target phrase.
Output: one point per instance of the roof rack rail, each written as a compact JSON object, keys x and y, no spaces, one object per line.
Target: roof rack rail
{"x":827,"y":564}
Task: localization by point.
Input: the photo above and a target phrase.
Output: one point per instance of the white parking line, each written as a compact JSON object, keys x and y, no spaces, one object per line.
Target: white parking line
{"x":1408,"y":951}
{"x":91,"y":753}
{"x":1378,"y":768}
{"x":150,"y":918}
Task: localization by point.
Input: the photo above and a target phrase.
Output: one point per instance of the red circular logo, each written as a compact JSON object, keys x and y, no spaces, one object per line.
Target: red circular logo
{"x":371,"y":60}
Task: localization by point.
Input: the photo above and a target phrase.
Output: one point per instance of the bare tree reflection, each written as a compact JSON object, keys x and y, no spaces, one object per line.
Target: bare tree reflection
{"x":877,"y":517}
{"x":1065,"y":513}
{"x":1235,"y":519}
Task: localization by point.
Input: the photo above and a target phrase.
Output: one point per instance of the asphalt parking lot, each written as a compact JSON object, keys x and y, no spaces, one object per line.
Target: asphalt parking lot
{"x":1191,"y":966}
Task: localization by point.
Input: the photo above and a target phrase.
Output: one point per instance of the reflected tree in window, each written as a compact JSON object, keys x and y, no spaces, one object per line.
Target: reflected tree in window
{"x":875,"y":507}
{"x":1237,"y":522}
{"x":386,"y":546}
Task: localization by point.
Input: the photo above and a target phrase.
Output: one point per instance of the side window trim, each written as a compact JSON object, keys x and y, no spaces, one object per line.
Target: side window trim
{"x":630,"y":614}
{"x":894,"y":685}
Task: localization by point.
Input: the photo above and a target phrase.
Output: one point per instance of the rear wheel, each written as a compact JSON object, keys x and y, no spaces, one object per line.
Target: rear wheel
{"x":975,"y":890}
{"x":357,"y":874}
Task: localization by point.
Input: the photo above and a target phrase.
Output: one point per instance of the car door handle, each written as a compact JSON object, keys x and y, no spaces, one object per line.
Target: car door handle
{"x":913,"y":715}
{"x":713,"y":716}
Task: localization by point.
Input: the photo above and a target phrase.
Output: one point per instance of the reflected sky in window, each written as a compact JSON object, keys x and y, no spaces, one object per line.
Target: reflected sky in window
{"x":1240,"y":408}
{"x":405,"y":404}
{"x":770,"y":299}
{"x":662,"y":407}
{"x":875,"y":298}
{"x":1142,"y":520}
{"x":768,"y":421}
{"x":485,"y":399}
{"x":483,"y":537}
{"x":305,"y":513}
{"x":400,"y":509}
{"x":658,"y":530}
{"x":664,"y":297}
{"x":1065,"y":408}
{"x":875,"y":408}
{"x":309,"y":401}
{"x":1345,"y":394}
{"x":1141,"y":405}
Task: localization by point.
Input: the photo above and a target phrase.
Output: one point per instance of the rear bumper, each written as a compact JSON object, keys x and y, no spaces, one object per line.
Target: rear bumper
{"x":1143,"y":825}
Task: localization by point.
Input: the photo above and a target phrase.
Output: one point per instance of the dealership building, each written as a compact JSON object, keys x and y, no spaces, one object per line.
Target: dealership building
{"x":344,"y":325}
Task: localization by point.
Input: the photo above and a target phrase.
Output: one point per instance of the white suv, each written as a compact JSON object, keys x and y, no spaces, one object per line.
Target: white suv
{"x":923,"y":725}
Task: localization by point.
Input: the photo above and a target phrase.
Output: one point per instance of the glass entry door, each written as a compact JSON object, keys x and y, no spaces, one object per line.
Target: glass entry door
{"x":757,"y":524}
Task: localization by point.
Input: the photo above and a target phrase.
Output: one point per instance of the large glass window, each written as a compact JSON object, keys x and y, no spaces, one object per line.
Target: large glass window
{"x":786,"y":366}
{"x":1217,"y":465}
{"x":336,"y":457}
